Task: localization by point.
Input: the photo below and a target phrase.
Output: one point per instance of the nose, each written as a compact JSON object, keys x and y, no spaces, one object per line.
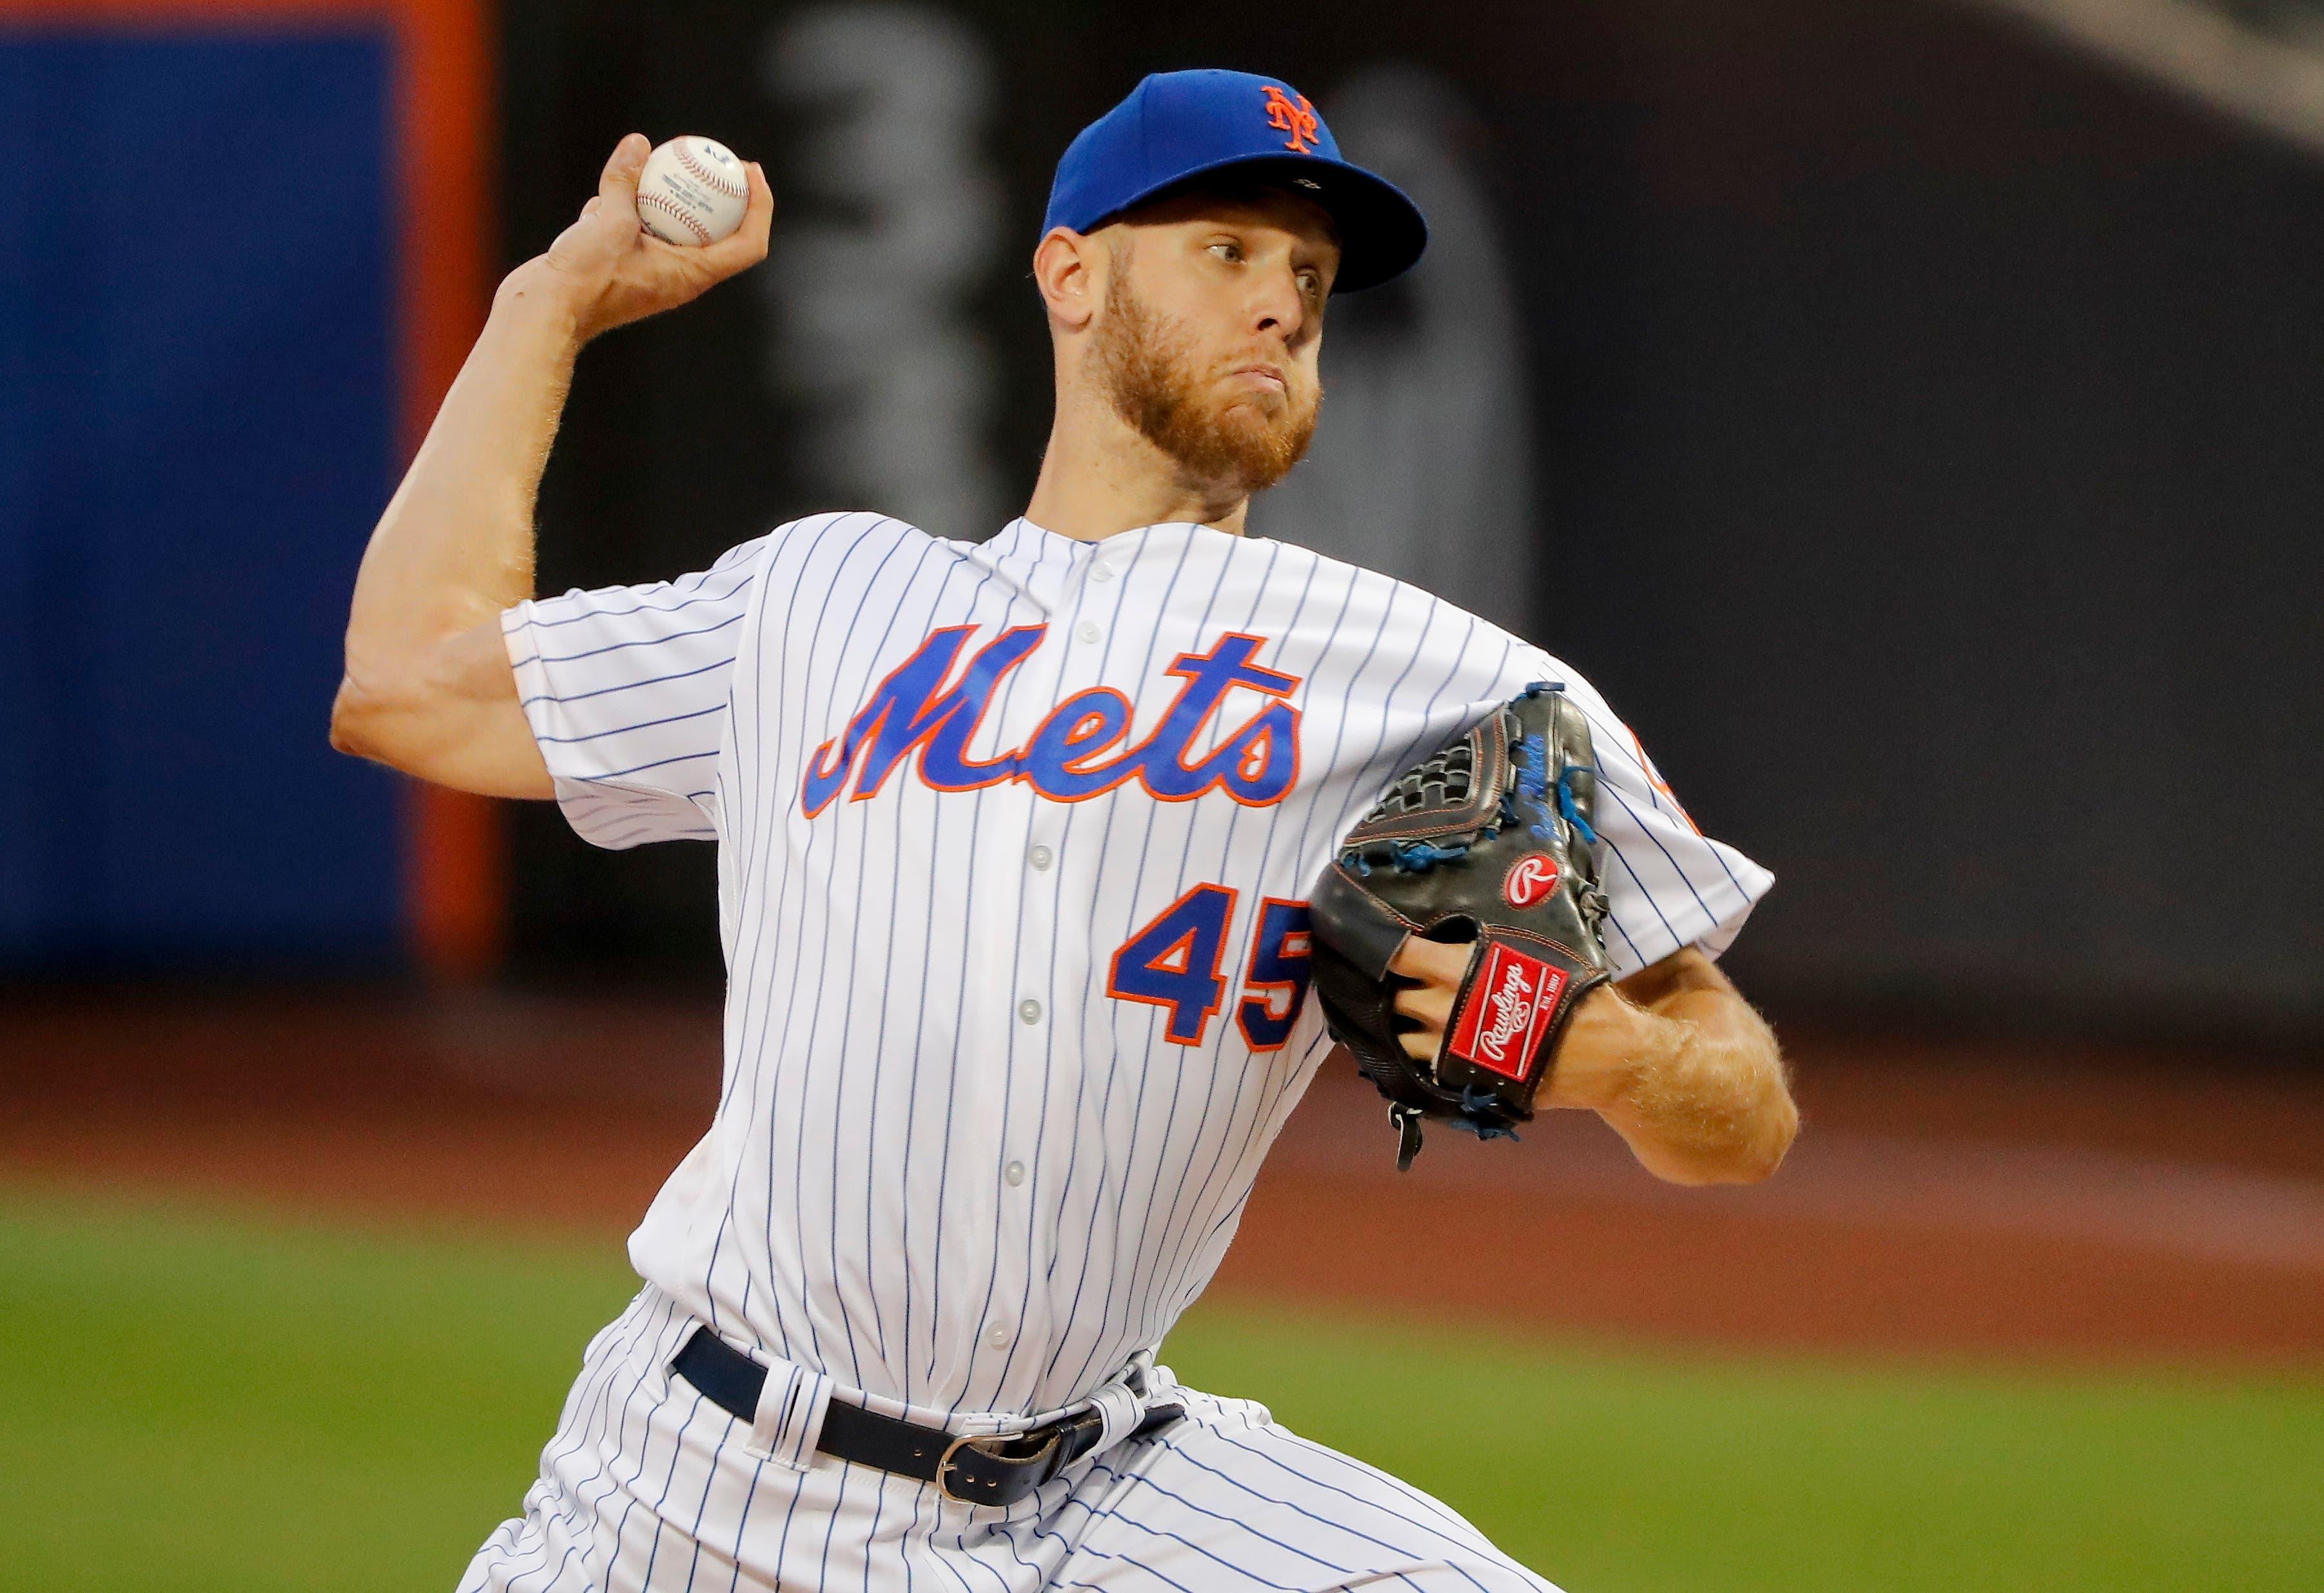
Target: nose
{"x":1278,"y":307}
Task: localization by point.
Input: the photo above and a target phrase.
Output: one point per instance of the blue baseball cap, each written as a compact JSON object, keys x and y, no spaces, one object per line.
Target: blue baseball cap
{"x":1176,"y":126}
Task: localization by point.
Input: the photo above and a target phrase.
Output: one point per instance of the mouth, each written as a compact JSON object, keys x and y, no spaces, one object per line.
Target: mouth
{"x":1267,"y":377}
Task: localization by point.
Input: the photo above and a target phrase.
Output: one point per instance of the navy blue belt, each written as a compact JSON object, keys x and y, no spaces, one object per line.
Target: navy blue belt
{"x":996,"y":1469}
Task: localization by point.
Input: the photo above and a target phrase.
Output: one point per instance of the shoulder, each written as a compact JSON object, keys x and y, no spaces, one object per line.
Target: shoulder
{"x":818,"y":556}
{"x":1429,"y":666}
{"x":1351,"y":610}
{"x":832,"y":535}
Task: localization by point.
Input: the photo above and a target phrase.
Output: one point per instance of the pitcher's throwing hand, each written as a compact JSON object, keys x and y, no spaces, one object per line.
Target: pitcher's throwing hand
{"x":612,"y":270}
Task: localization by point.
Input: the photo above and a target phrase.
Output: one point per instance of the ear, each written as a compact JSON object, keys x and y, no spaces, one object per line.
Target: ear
{"x":1069,"y":268}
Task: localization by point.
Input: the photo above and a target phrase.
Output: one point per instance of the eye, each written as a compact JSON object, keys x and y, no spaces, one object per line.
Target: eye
{"x":1311,"y":283}
{"x":1227,"y":250}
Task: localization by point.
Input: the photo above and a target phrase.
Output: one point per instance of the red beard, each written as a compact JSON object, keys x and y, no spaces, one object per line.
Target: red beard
{"x":1146,"y":364}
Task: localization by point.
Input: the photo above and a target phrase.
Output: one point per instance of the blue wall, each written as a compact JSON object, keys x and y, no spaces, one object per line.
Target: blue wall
{"x":197,"y":416}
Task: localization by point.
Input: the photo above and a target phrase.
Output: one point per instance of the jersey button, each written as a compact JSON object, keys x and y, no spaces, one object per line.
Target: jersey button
{"x":1029,"y":1010}
{"x":1090,"y":634}
{"x":1041,"y":857}
{"x":1101,"y":574}
{"x":1014,"y":1173}
{"x":997,"y":1335}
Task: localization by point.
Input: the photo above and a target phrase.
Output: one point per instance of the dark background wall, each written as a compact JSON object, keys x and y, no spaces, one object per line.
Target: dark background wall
{"x":1918,"y":446}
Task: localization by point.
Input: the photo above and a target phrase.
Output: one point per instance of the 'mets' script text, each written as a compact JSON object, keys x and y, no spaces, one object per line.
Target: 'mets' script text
{"x":931,"y":706}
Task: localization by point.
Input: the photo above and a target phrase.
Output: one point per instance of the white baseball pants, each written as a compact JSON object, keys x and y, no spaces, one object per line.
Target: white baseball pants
{"x":648,"y":1485}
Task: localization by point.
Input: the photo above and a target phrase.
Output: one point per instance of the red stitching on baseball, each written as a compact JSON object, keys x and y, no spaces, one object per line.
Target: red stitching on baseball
{"x":717,"y":181}
{"x":677,"y":213}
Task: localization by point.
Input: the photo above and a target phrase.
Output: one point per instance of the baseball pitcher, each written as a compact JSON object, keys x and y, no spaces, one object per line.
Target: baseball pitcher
{"x":1049,"y":867}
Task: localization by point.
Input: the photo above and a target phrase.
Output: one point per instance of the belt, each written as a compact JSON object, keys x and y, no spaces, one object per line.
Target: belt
{"x":992,"y":1468}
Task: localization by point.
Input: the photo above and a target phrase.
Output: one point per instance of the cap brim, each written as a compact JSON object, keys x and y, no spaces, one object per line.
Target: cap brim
{"x":1382,"y":232}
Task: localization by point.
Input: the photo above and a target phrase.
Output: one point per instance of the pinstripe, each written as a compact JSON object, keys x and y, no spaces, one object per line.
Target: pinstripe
{"x":583,"y":1440}
{"x":661,"y":1500}
{"x":607,"y":691}
{"x":1318,"y":1041}
{"x":1191,"y":1285}
{"x":1187,"y":1505}
{"x":744,"y":1025}
{"x":815,"y":1021}
{"x":1008,"y":992}
{"x":614,"y":1432}
{"x":1157,"y":1279}
{"x":1131,"y":1284}
{"x":746,"y":993}
{"x":1314,"y":1483}
{"x":879,"y":1045}
{"x":754,"y":990}
{"x":1296,"y":1077}
{"x":911,"y":1138}
{"x":1447,"y":1520}
{"x":1047,"y":1029}
{"x":1204,"y":1549}
{"x":795,"y":1069}
{"x":1113,"y":1069}
{"x":615,"y":646}
{"x":587,"y":1407}
{"x":1307,"y":1511}
{"x":1613,"y":735}
{"x":670,"y":608}
{"x":960,"y":1000}
{"x":847,"y":1026}
{"x":623,"y":730}
{"x":1049,"y":1048}
{"x":1114,"y":1015}
{"x":847,"y":1211}
{"x":807,"y":1067}
{"x":741,"y":1525}
{"x":1337,"y":619}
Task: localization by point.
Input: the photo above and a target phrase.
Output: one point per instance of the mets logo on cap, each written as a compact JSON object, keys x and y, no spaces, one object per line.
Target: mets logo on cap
{"x":1291,"y":113}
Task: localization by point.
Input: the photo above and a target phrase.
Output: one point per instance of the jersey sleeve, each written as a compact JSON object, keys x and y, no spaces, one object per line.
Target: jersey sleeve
{"x":1668,"y":884}
{"x":627,"y":691}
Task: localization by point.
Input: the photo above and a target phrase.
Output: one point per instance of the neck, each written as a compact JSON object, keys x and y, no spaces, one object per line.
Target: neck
{"x":1101,"y":477}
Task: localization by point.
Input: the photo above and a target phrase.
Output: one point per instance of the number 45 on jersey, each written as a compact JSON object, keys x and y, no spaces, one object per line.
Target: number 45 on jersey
{"x":1174,"y":964}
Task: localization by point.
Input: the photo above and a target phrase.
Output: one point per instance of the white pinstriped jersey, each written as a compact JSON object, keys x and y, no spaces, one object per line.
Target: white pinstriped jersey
{"x":1014,"y":843}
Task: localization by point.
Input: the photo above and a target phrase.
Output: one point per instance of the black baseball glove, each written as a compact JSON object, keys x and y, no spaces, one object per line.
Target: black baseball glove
{"x":1490,"y":841}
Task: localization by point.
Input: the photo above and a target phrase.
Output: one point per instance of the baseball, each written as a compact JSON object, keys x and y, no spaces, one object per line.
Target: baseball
{"x":693,"y":191}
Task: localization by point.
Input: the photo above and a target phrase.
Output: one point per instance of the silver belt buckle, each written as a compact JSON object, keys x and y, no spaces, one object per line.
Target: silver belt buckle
{"x":977,"y":1440}
{"x":944,"y":1465}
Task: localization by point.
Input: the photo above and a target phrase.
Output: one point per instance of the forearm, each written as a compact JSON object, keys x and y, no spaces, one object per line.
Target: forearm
{"x":456,"y":544}
{"x":1685,"y":1072}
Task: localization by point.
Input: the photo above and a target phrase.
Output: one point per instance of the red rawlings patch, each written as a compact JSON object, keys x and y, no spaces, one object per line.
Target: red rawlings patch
{"x":1530,"y":879}
{"x":1508,"y":1014}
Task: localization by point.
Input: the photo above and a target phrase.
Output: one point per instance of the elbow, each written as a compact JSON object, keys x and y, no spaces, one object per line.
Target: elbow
{"x":1765,"y":1120}
{"x":1740,"y":1137}
{"x":1761,"y":1149}
{"x":348,"y":720}
{"x":359,"y":719}
{"x":1708,"y":1166}
{"x":1767,"y":1125}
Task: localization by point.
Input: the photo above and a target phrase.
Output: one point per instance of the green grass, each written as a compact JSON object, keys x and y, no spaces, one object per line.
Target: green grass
{"x":199,"y":1402}
{"x":1624,"y":1473}
{"x":204,"y":1401}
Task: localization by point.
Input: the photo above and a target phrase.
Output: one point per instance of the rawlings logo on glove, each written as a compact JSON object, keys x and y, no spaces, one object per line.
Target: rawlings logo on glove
{"x":1521,"y":997}
{"x":1488,"y":842}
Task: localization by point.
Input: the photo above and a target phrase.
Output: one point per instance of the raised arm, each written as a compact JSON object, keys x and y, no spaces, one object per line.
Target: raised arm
{"x":427,"y":688}
{"x":1672,"y":1057}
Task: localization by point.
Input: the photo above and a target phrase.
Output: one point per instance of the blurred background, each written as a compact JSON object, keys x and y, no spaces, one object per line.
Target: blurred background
{"x":1907,"y":414}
